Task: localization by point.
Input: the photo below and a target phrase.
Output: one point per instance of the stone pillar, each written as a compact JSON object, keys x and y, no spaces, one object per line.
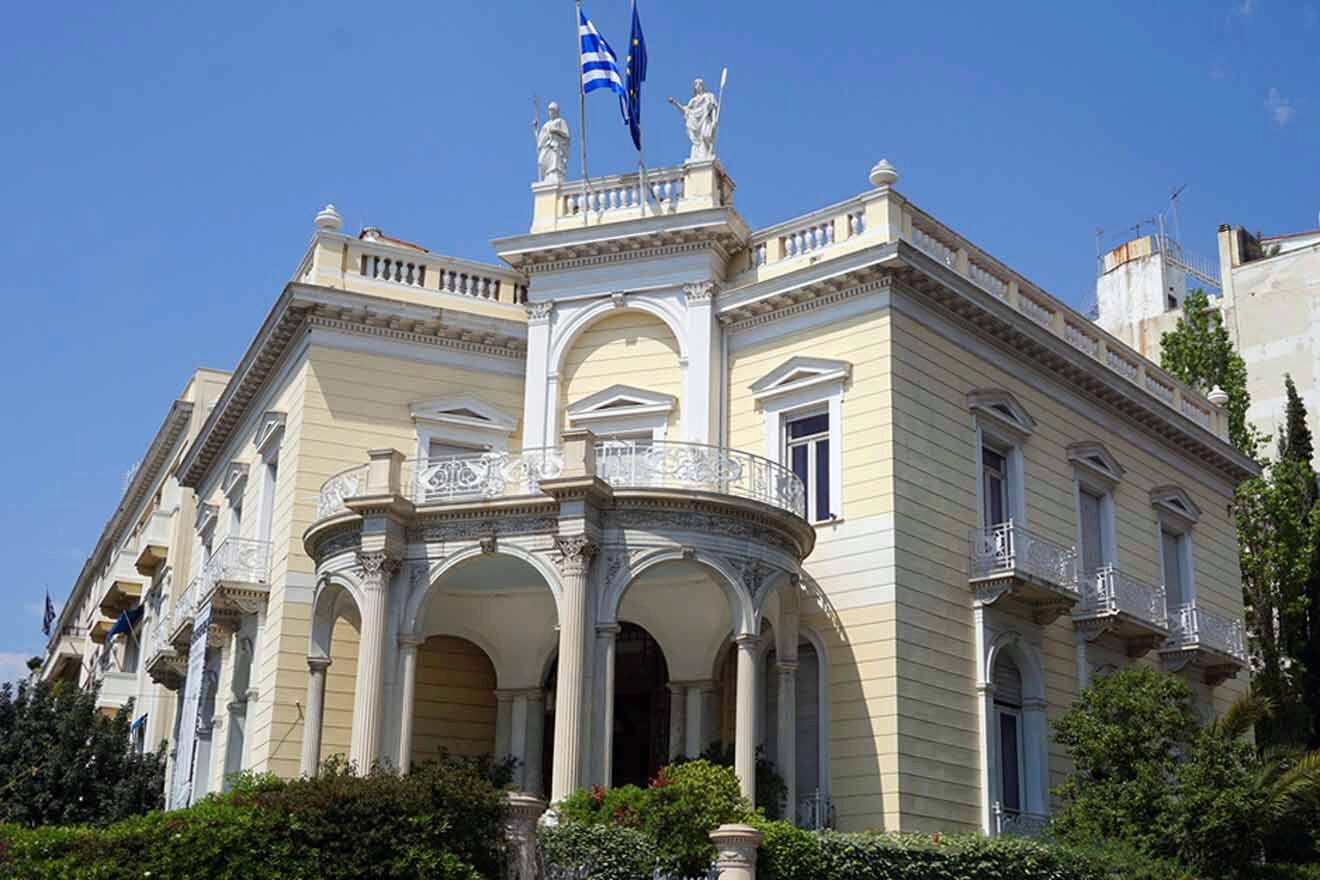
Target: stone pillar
{"x":504,"y":723}
{"x":408,"y":646}
{"x":532,"y":781}
{"x":735,"y":851}
{"x":518,"y":737}
{"x":520,"y":831}
{"x":744,"y":745}
{"x":677,"y":721}
{"x":1035,"y":734}
{"x":702,"y":374}
{"x":376,"y":569}
{"x":606,"y":633}
{"x":695,"y":722}
{"x":574,"y":562}
{"x":311,"y":748}
{"x":787,"y":734}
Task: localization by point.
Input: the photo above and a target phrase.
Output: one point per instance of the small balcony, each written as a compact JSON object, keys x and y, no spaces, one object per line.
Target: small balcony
{"x":1204,"y":640}
{"x":659,"y":465}
{"x":1018,"y":823}
{"x":153,"y":544}
{"x":238,"y":573}
{"x":1113,"y":602}
{"x":165,"y":665}
{"x":1007,"y":559}
{"x":117,"y":688}
{"x":100,"y":629}
{"x":181,"y":617}
{"x":124,"y":588}
{"x":64,"y":654}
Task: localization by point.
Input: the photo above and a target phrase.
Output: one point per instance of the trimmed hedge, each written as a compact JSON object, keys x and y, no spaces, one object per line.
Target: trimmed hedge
{"x":443,"y":821}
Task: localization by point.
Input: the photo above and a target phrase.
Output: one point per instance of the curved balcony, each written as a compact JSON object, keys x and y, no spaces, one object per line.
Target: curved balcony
{"x":1008,"y":559}
{"x":1115,"y":602}
{"x":621,"y":464}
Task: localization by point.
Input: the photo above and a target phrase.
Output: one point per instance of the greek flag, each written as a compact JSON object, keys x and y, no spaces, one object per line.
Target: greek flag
{"x":600,"y":66}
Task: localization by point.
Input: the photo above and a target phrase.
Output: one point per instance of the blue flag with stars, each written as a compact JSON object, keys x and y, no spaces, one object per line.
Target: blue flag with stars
{"x":634,"y":76}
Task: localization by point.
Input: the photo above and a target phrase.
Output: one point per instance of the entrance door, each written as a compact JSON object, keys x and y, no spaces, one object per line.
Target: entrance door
{"x":641,"y":707}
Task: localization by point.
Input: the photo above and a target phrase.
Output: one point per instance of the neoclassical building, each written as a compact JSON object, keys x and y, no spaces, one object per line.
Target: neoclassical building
{"x":846,"y":488}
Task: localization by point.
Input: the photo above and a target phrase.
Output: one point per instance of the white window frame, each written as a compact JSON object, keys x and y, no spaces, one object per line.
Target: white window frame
{"x":1177,"y":513}
{"x":998,"y":758}
{"x":234,"y":486}
{"x":799,"y":387}
{"x":623,"y":412}
{"x":1096,"y":471}
{"x":812,"y":445}
{"x":1001,"y":423}
{"x":438,"y":420}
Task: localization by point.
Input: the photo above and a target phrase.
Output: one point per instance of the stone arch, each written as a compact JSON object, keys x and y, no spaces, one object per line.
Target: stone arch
{"x":1031,"y":730}
{"x":1024,"y":656}
{"x":579,"y":323}
{"x":337,"y":595}
{"x":454,"y":703}
{"x":742,"y":611}
{"x":422,"y":595}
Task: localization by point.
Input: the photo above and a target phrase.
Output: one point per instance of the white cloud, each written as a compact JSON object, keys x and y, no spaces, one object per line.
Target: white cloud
{"x":1281,"y":109}
{"x":13,"y":666}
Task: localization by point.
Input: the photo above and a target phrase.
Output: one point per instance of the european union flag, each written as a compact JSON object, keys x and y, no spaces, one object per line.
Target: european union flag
{"x":635,"y":75}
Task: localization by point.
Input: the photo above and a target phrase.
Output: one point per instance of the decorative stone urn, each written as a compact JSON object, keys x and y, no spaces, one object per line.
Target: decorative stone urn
{"x":735,"y":851}
{"x":520,"y":831}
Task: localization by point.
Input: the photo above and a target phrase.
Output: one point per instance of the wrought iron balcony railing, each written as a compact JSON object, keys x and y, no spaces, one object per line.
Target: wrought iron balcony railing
{"x":482,"y":476}
{"x":693,"y":466}
{"x":1108,"y":591}
{"x":237,"y":560}
{"x":1009,"y":549}
{"x":1019,"y":823}
{"x":1192,"y":627}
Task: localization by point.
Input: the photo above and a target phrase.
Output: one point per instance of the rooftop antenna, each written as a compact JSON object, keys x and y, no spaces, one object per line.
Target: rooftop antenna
{"x":1173,"y":203}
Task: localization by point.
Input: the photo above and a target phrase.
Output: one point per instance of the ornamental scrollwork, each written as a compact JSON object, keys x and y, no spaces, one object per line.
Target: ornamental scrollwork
{"x":375,"y":568}
{"x":574,"y":553}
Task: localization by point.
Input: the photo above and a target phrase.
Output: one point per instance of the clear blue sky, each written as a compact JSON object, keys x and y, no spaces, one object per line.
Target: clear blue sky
{"x":162,"y":165}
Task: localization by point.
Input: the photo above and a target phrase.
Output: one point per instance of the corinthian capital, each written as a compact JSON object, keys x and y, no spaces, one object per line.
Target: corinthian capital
{"x":376,"y":567}
{"x":700,"y":291}
{"x":575,"y":552}
{"x":539,"y":312}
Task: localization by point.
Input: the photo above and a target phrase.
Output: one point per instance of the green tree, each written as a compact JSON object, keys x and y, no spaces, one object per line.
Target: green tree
{"x":1295,"y":440}
{"x":1199,"y":352}
{"x":63,"y":762}
{"x":1278,"y":527}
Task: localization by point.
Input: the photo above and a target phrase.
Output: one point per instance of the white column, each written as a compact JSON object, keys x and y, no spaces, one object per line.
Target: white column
{"x":311,"y":748}
{"x":574,"y":561}
{"x":603,"y":709}
{"x":1035,"y":735}
{"x":536,"y":405}
{"x":694,"y":718}
{"x":532,"y":781}
{"x":408,"y":646}
{"x":744,"y":745}
{"x":677,"y":722}
{"x":518,"y":737}
{"x":787,"y":734}
{"x":368,"y":705}
{"x":985,"y":714}
{"x":503,"y":723}
{"x":701,"y":376}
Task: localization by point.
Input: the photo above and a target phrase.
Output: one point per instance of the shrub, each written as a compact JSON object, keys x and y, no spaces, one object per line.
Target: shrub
{"x":62,"y":761}
{"x":444,"y":821}
{"x":611,"y":852}
{"x":771,"y":790}
{"x":788,"y":853}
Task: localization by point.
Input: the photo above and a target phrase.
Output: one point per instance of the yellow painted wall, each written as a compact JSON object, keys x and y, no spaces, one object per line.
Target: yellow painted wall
{"x":935,"y":489}
{"x":340,"y":681}
{"x":455,"y":706}
{"x":628,"y":348}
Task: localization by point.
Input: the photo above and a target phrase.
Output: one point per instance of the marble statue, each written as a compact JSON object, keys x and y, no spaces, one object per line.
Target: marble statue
{"x":701,"y":114}
{"x":552,"y":141}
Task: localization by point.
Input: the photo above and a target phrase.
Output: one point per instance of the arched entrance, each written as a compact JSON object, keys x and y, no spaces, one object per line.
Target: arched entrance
{"x":454,"y":707}
{"x":641,"y":709}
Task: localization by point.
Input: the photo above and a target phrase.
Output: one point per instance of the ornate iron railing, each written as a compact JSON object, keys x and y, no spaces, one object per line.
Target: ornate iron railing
{"x":1192,"y":627}
{"x":1008,"y":548}
{"x":661,"y":464}
{"x":185,"y":606}
{"x":1109,"y":591}
{"x":1018,"y":823}
{"x":345,"y":484}
{"x":487,"y":475}
{"x":238,"y":559}
{"x":815,"y":812}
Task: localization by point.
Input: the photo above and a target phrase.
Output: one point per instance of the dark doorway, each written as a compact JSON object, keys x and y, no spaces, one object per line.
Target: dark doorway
{"x":641,"y":709}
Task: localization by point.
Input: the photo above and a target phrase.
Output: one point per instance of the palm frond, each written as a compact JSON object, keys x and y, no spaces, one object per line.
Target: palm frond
{"x":1294,"y":782}
{"x":1243,"y":715}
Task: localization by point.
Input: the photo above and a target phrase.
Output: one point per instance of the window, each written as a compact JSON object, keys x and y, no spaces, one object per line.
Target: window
{"x":1011,"y":771}
{"x":438,"y":449}
{"x":269,"y":475}
{"x":1094,"y":552}
{"x":1175,"y":579}
{"x":1176,"y":514}
{"x":994,"y":487}
{"x":1097,"y":474}
{"x":807,"y":450}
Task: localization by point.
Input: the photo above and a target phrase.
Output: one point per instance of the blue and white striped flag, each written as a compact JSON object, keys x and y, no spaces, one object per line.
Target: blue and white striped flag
{"x":600,"y":66}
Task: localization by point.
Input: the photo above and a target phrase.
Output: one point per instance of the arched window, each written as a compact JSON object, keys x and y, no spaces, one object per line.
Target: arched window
{"x":1011,"y":771}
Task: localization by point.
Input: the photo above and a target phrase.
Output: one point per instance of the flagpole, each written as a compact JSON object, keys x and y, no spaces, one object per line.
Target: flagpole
{"x":582,"y":111}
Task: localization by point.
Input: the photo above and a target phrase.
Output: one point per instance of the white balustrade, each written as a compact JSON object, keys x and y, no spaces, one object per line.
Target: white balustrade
{"x":692,"y":466}
{"x":603,"y":195}
{"x":1008,"y":548}
{"x":439,"y":273}
{"x":1161,"y":389}
{"x":406,"y":272}
{"x":987,"y":279}
{"x":1037,"y":312}
{"x":1109,"y":591}
{"x":1193,"y":627}
{"x":487,"y":475}
{"x":345,"y":484}
{"x":1081,"y":339}
{"x":1124,"y":366}
{"x":1196,"y":413}
{"x":807,"y":239}
{"x":927,"y":242}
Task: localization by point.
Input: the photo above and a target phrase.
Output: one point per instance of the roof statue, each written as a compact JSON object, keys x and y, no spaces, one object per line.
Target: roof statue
{"x":701,"y":115}
{"x":552,"y":142}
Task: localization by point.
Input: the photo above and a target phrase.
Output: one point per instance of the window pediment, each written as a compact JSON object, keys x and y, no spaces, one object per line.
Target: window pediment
{"x":1096,"y":461}
{"x":270,"y":432}
{"x":463,"y":410}
{"x":235,"y":479}
{"x":1174,"y":501}
{"x":207,"y":514}
{"x":1003,"y":411}
{"x":618,"y":400}
{"x":798,"y":373}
